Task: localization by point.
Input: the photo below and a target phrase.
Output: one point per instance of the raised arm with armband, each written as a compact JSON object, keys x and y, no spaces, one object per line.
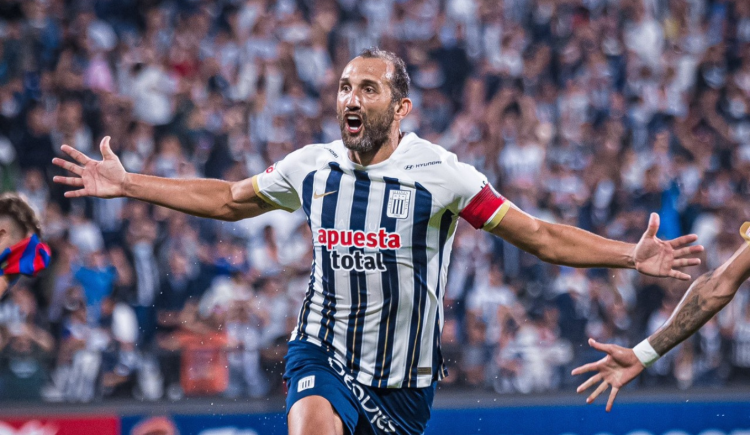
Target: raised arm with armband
{"x":204,"y":197}
{"x":709,"y":293}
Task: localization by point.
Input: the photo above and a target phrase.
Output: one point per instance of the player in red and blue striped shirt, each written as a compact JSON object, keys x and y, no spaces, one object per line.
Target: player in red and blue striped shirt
{"x":21,"y":250}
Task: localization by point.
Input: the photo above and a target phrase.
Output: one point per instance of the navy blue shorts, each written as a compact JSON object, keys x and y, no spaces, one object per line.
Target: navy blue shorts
{"x":311,"y":371}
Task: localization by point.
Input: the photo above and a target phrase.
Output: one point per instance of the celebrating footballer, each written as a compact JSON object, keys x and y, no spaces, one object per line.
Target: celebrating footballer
{"x":383,"y":205}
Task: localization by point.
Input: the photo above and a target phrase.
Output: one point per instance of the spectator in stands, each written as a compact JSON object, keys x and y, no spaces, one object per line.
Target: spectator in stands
{"x":177,"y":289}
{"x":70,"y":127}
{"x":120,"y":361}
{"x":97,"y":278}
{"x":271,"y":298}
{"x":203,"y":344}
{"x":34,"y":189}
{"x":141,"y":237}
{"x":495,"y":304}
{"x":475,"y":352}
{"x":265,"y":254}
{"x":34,"y":145}
{"x":245,"y":326}
{"x":80,"y":356}
{"x":25,"y":359}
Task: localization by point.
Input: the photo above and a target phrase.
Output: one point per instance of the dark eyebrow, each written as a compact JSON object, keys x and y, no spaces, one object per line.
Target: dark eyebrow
{"x":363,"y":82}
{"x":366,"y":82}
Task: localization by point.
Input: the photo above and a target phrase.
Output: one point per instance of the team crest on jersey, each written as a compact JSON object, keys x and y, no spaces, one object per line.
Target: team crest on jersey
{"x":398,"y":204}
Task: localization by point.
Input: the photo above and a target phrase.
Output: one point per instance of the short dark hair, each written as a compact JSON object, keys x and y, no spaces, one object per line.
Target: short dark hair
{"x":400,"y":80}
{"x":18,"y":210}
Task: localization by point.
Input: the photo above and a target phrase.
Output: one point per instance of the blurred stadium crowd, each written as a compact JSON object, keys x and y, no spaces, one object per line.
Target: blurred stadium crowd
{"x":588,"y":112}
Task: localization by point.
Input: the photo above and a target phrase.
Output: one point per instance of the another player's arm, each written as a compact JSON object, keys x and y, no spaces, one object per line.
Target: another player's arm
{"x":706,"y":296}
{"x":570,"y":246}
{"x":709,"y":293}
{"x":208,"y":198}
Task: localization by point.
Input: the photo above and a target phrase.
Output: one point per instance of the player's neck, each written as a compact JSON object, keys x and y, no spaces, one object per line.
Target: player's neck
{"x":379,"y":155}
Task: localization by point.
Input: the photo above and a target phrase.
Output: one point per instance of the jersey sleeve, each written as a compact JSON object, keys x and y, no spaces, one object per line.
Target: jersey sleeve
{"x":277,"y":184}
{"x":479,"y":203}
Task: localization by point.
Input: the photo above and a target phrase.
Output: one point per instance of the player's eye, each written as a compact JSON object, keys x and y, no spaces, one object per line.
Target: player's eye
{"x":345,"y":88}
{"x":369,"y":89}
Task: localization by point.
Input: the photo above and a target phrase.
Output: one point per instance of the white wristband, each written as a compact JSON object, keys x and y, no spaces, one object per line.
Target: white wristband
{"x":645,"y":353}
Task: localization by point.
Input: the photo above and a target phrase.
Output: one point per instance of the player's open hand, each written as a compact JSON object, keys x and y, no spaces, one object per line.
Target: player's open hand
{"x":662,"y":258}
{"x":104,"y":179}
{"x":619,"y":367}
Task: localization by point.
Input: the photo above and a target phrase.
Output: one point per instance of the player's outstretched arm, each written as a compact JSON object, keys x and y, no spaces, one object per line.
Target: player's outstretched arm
{"x":570,"y":246}
{"x":709,"y":293}
{"x":208,"y":198}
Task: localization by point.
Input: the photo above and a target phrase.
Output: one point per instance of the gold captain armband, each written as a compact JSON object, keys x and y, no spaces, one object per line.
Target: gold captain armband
{"x":745,"y":231}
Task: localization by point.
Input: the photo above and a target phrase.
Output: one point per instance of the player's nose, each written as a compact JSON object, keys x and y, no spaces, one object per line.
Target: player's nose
{"x":352,"y":102}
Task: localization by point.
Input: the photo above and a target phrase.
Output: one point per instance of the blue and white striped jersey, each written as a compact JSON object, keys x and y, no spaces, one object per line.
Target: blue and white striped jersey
{"x":382,"y":238}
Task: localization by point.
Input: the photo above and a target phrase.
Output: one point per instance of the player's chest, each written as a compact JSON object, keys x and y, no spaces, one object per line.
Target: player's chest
{"x":372,"y":212}
{"x":359,"y":200}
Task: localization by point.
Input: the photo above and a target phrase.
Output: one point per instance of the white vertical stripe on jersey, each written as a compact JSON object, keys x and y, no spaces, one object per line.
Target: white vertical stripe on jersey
{"x":401,"y":346}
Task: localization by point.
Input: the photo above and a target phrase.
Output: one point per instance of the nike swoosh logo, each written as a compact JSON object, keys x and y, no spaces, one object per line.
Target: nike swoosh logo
{"x":318,"y":196}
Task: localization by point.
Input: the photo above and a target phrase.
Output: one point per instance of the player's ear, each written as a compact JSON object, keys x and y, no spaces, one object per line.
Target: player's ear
{"x":403,"y":108}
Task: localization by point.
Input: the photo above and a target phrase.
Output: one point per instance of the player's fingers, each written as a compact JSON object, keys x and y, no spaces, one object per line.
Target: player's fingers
{"x":589,"y":382}
{"x":599,"y":390}
{"x":70,"y":166}
{"x":685,"y":262}
{"x":70,"y":181}
{"x":611,"y":400}
{"x":688,"y":250}
{"x":590,"y":367}
{"x":684,"y":240}
{"x":75,"y":154}
{"x":679,"y":275}
{"x":105,"y":148}
{"x":75,"y":193}
{"x":653,"y":225}
{"x":601,"y":347}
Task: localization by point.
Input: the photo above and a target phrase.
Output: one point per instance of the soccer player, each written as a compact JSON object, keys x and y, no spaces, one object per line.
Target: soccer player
{"x":709,"y":293}
{"x":383,"y":206}
{"x":21,"y":251}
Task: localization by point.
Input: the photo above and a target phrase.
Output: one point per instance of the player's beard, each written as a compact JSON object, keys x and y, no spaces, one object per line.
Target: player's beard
{"x":374,"y":132}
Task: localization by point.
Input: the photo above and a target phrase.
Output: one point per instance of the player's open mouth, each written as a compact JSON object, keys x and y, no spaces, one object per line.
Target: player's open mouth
{"x":353,"y":124}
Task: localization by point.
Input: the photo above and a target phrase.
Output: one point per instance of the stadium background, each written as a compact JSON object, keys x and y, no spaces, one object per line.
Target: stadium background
{"x":588,"y":112}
